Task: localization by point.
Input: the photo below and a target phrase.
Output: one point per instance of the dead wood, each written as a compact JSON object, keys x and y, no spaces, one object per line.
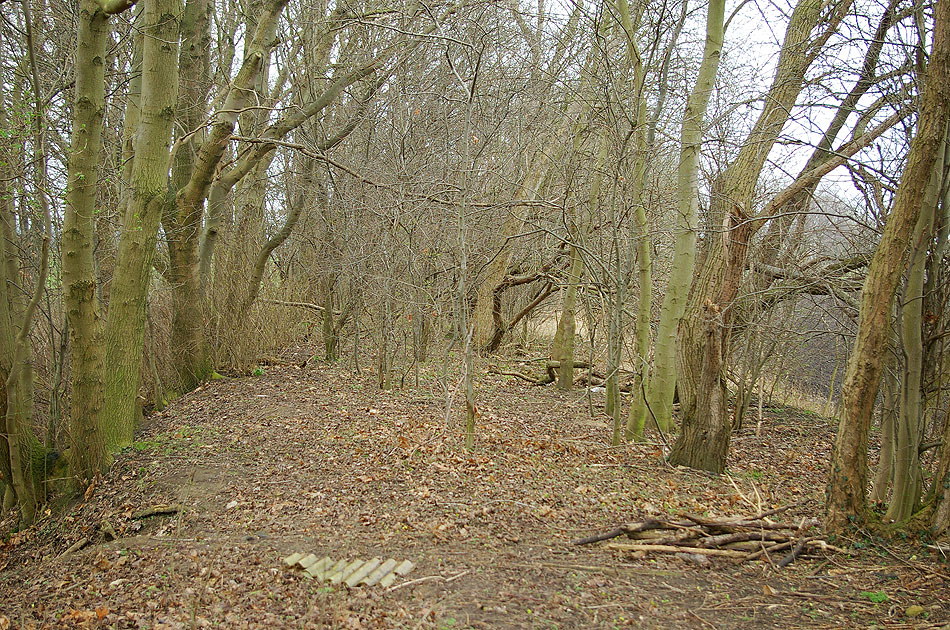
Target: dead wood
{"x":674,"y":549}
{"x":76,"y":546}
{"x":157,"y":510}
{"x":550,"y":372}
{"x":740,"y":538}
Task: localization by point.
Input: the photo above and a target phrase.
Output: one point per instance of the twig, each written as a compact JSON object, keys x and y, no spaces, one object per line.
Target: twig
{"x":731,"y":553}
{"x":76,"y":546}
{"x":428,"y":578}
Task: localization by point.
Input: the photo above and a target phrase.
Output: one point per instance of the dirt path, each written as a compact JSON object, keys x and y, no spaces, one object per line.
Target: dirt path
{"x":318,"y":460}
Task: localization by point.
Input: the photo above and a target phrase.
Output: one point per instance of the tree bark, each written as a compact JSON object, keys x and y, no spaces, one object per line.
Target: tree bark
{"x":847,"y":483}
{"x":87,"y":352}
{"x":125,"y":322}
{"x":663,"y":375}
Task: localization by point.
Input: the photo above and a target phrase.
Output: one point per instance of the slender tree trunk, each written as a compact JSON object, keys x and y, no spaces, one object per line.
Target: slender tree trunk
{"x":644,"y":136}
{"x":907,"y":472}
{"x":22,"y":444}
{"x":884,"y":476}
{"x":847,"y":484}
{"x":663,"y":375}
{"x":567,"y":325}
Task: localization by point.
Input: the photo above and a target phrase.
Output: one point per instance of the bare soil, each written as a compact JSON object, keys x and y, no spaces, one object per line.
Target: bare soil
{"x":317,"y":459}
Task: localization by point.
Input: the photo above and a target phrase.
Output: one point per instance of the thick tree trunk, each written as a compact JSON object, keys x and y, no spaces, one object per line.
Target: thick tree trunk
{"x":125,"y":323}
{"x":183,"y":224}
{"x":847,"y":484}
{"x":730,"y":231}
{"x":703,"y":442}
{"x":87,"y":348}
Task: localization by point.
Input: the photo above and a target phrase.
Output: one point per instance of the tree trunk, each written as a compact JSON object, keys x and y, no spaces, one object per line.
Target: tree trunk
{"x":87,"y":348}
{"x":847,"y":484}
{"x":567,"y":325}
{"x":125,"y":323}
{"x":663,"y":375}
{"x":703,"y":442}
{"x":907,"y":472}
{"x":183,"y":224}
{"x":22,"y":444}
{"x":730,"y":230}
{"x":884,"y":476}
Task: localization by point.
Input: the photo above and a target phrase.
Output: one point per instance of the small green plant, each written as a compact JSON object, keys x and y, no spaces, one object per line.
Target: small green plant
{"x":258,"y":371}
{"x":878,"y":597}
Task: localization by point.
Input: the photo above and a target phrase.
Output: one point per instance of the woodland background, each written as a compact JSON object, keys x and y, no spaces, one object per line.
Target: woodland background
{"x":705,"y":201}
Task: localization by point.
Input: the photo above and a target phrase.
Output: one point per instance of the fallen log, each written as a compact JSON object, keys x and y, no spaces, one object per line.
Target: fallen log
{"x":550,"y":372}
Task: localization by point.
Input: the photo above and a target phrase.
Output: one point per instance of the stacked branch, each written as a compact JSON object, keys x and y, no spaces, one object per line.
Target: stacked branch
{"x":739,"y":538}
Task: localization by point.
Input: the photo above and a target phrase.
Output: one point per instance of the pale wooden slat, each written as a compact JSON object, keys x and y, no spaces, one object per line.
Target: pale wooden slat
{"x":381,"y":571}
{"x":292,"y":559}
{"x":318,"y":570}
{"x":347,"y":572}
{"x":335,"y":569}
{"x":402,"y":569}
{"x":307,"y":562}
{"x":362,"y":572}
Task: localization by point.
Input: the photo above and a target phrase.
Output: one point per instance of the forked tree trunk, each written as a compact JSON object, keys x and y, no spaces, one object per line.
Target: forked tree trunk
{"x":847,"y":483}
{"x":730,"y":231}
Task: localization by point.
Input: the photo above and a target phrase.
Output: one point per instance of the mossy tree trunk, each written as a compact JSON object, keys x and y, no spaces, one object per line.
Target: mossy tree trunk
{"x":87,"y":451}
{"x":182,"y":223}
{"x":913,"y":402}
{"x":125,"y":321}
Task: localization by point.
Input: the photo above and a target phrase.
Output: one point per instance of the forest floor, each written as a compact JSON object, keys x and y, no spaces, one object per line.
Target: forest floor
{"x":318,"y":459}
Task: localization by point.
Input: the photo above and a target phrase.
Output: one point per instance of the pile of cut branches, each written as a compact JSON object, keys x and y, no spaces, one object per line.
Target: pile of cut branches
{"x":739,"y":538}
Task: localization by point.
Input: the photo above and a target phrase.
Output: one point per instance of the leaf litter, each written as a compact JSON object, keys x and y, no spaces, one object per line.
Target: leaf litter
{"x":318,"y":459}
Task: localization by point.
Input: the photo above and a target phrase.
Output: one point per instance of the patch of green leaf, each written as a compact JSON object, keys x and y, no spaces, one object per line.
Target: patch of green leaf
{"x":878,"y":597}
